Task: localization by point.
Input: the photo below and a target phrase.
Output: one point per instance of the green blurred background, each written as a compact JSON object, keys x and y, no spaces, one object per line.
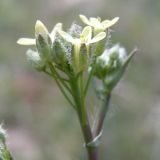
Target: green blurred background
{"x":39,"y":121}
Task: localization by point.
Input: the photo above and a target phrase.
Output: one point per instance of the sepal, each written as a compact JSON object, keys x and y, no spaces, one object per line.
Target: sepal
{"x":44,"y":47}
{"x":35,"y":60}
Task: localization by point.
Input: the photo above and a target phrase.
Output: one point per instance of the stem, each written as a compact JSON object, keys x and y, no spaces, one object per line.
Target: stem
{"x":62,"y":81}
{"x":77,"y":87}
{"x":60,"y":87}
{"x":89,"y":77}
{"x":102,"y":115}
{"x":92,"y":153}
{"x":88,"y":137}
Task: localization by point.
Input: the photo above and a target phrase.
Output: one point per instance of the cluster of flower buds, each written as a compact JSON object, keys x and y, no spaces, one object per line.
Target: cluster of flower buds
{"x":111,"y":65}
{"x":68,"y":50}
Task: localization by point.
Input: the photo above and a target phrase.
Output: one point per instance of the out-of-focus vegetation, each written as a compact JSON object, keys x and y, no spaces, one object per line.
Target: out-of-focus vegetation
{"x":41,"y":124}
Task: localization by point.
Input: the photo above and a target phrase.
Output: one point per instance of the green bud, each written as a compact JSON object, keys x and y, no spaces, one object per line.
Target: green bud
{"x":114,"y":77}
{"x":43,"y":41}
{"x":111,"y":65}
{"x":80,"y":57}
{"x":60,"y":52}
{"x":40,"y":29}
{"x":44,"y":47}
{"x":35,"y":60}
{"x":83,"y":57}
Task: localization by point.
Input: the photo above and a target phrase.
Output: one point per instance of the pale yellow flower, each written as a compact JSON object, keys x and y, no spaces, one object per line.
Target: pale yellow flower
{"x":41,"y":29}
{"x":85,"y":37}
{"x":84,"y":41}
{"x":97,"y":24}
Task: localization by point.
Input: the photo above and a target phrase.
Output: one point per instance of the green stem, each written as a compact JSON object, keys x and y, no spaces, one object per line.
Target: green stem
{"x":61,"y":79}
{"x":89,"y":77}
{"x":77,"y":87}
{"x":102,"y":116}
{"x":60,"y":87}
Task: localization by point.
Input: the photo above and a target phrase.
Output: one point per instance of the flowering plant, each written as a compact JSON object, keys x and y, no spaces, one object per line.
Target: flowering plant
{"x":81,"y":55}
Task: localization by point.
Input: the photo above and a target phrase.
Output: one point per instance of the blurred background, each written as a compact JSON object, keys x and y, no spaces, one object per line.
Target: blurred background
{"x":39,"y":121}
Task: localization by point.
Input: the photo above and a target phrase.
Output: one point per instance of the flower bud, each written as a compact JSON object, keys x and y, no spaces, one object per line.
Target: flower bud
{"x":60,"y":52}
{"x":111,"y":65}
{"x":80,"y":57}
{"x":43,"y":41}
{"x":83,"y":57}
{"x":41,"y":29}
{"x":44,"y":47}
{"x":35,"y":60}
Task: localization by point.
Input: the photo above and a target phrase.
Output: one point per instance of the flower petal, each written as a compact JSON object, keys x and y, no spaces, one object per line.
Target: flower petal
{"x":66,"y":36}
{"x":105,"y":22}
{"x":98,"y":37}
{"x":95,"y":21}
{"x":108,"y":24}
{"x":40,"y":28}
{"x":57,"y":27}
{"x":86,"y":34}
{"x":26,"y":41}
{"x":84,"y":19}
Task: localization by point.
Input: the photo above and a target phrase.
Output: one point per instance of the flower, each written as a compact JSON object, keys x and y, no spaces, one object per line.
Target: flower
{"x":97,"y":24}
{"x":81,"y":46}
{"x":85,"y":37}
{"x":40,"y":29}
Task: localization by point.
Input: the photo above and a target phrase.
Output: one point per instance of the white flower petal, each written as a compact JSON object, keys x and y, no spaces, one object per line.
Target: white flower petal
{"x":66,"y":36}
{"x":26,"y":41}
{"x":105,"y":22}
{"x":57,"y":27}
{"x":98,"y":37}
{"x":94,"y":21}
{"x":84,"y":19}
{"x":86,"y":34}
{"x":111,"y":23}
{"x":40,"y":28}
